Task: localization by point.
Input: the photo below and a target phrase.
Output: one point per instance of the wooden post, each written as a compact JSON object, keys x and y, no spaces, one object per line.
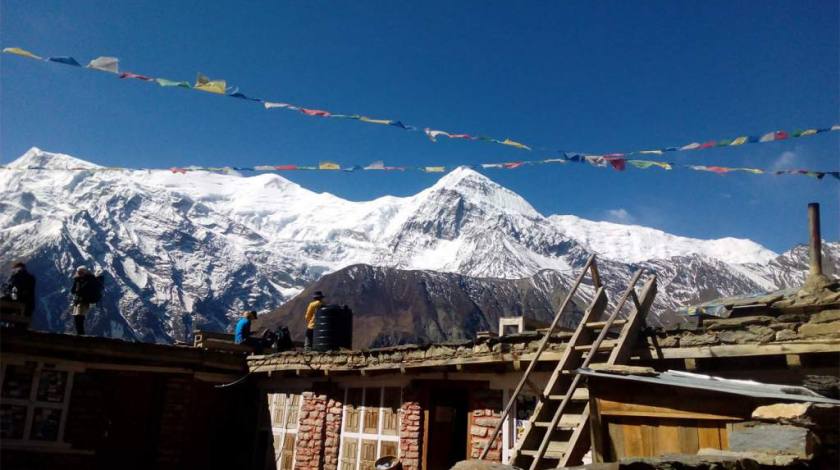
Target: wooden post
{"x":815,"y":239}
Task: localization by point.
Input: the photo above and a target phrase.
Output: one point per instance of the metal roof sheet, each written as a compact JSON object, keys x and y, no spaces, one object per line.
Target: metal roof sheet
{"x":718,"y":384}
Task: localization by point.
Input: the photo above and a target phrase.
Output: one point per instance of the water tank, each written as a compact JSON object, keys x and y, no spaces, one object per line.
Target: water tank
{"x":333,"y":328}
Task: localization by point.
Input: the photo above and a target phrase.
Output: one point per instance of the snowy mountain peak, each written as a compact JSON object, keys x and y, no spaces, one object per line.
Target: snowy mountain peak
{"x":479,"y":189}
{"x":36,"y":157}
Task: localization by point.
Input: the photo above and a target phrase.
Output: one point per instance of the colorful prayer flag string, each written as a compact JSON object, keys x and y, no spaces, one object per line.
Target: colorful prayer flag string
{"x":219,"y":87}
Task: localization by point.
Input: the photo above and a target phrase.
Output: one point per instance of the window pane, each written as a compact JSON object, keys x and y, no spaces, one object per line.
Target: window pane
{"x":390,"y":411}
{"x":287,"y":455}
{"x":45,"y":422}
{"x":293,"y":405}
{"x":51,"y":386}
{"x":373,"y":399}
{"x":368,"y":455}
{"x":388,"y":449}
{"x":12,"y":421}
{"x":278,"y":405}
{"x":17,"y":382}
{"x":349,"y":451}
{"x":351,"y":416}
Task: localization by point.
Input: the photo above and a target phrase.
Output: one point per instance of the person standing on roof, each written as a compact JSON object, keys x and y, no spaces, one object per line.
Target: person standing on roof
{"x":86,"y":290}
{"x":317,"y":302}
{"x":21,"y":288}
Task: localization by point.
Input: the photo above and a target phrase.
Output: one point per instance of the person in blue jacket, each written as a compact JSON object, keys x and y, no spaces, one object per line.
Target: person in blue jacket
{"x":242,"y":333}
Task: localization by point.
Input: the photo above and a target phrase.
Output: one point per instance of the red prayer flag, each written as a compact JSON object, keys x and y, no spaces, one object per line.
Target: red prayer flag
{"x":512,"y":165}
{"x":285,"y":167}
{"x":780,"y":135}
{"x":136,"y":76}
{"x":616,"y":162}
{"x":708,"y":144}
{"x":178,"y":170}
{"x":314,"y":112}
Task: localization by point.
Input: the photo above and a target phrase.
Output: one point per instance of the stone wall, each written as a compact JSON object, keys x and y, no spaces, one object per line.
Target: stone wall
{"x":486,"y":411}
{"x":309,"y":447}
{"x":411,"y":431}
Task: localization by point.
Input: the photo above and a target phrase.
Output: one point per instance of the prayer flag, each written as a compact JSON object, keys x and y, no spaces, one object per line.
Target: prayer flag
{"x":768,"y":137}
{"x":242,"y":96}
{"x":397,"y":124}
{"x":345,"y":116}
{"x":21,"y":52}
{"x":210,"y":86}
{"x":136,"y":76}
{"x":807,"y":132}
{"x":724,"y":143}
{"x":265,"y":168}
{"x":651,"y":152}
{"x":512,"y":165}
{"x":645,"y":164}
{"x":691,"y":146}
{"x":434,"y":169}
{"x":433,"y":134}
{"x":352,"y":168}
{"x":269,"y":105}
{"x":461,"y":136}
{"x":739,"y":140}
{"x":314,"y":112}
{"x":707,"y":145}
{"x":377,"y":165}
{"x":386,"y":122}
{"x":329,"y":166}
{"x":285,"y":167}
{"x":105,"y":64}
{"x":835,"y":127}
{"x":65,"y":60}
{"x":515,"y":144}
{"x":616,"y":162}
{"x":595,"y":160}
{"x":492,"y":165}
{"x":167,"y":83}
{"x":178,"y":170}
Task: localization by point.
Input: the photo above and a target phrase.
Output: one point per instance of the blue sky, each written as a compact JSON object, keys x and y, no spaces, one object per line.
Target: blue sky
{"x":579,"y":76}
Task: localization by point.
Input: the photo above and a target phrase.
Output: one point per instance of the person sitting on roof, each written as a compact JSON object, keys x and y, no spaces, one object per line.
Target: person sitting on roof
{"x":242,"y":333}
{"x":317,"y":302}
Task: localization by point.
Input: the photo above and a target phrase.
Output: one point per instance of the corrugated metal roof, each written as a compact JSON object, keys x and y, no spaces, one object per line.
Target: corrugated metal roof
{"x":718,"y":384}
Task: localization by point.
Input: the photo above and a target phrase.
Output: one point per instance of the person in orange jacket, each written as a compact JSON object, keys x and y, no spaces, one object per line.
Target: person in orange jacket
{"x":317,"y":302}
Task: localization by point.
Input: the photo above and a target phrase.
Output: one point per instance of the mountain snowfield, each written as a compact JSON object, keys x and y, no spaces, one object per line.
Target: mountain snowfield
{"x":189,"y":251}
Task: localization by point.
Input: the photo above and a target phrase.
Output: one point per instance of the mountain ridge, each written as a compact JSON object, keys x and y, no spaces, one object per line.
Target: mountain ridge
{"x":186,"y":252}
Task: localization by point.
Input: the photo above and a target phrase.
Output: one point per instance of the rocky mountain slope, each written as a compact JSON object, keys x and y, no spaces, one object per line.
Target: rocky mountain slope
{"x":188,"y":251}
{"x":394,"y":306}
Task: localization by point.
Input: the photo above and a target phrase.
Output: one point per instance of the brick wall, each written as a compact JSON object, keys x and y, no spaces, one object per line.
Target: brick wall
{"x":332,"y":434}
{"x":411,"y":431}
{"x":309,"y":446}
{"x":486,"y":411}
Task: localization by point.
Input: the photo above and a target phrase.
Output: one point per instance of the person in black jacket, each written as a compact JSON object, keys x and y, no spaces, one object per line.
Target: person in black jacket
{"x":85,"y":291}
{"x":21,"y":287}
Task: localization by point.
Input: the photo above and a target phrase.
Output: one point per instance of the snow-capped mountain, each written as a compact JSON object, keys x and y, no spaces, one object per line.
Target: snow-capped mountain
{"x":188,"y":251}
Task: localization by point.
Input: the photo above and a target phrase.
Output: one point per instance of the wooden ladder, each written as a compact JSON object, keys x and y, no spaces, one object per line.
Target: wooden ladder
{"x":557,"y":434}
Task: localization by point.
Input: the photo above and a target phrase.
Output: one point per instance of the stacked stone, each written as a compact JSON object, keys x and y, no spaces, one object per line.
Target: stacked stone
{"x":311,"y":427}
{"x":485,"y":416}
{"x":411,"y":422}
{"x":332,"y":435}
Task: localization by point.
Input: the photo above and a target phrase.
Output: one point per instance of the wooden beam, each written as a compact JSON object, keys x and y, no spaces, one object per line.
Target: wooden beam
{"x":735,"y":350}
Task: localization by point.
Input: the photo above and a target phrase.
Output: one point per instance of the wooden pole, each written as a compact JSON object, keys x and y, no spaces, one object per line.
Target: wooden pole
{"x":815,"y":239}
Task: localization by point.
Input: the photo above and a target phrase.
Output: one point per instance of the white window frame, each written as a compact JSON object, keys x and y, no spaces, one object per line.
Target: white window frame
{"x":358,"y":434}
{"x":31,"y":403}
{"x":282,"y":430}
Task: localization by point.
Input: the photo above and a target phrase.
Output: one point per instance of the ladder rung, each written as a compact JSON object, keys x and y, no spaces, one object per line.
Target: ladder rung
{"x":596,"y":325}
{"x":555,"y":450}
{"x":580,"y":394}
{"x":567,"y":421}
{"x":605,"y":345}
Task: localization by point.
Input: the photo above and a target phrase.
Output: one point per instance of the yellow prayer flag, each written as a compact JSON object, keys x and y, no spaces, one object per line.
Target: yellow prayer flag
{"x":515,"y":144}
{"x":211,"y":86}
{"x":434,"y":169}
{"x":329,"y":166}
{"x":808,"y":132}
{"x":375,"y":121}
{"x":739,"y":141}
{"x":21,"y":52}
{"x":651,"y":152}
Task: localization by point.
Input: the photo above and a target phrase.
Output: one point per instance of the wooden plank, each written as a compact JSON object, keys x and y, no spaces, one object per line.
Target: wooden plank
{"x":615,"y":446}
{"x":600,"y":324}
{"x":667,"y":439}
{"x":708,"y":435}
{"x":596,"y":432}
{"x":688,"y":439}
{"x":617,"y":408}
{"x":632,"y":435}
{"x":738,"y":350}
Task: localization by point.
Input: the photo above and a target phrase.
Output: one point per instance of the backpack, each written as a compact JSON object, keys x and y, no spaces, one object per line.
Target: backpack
{"x":96,"y":291}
